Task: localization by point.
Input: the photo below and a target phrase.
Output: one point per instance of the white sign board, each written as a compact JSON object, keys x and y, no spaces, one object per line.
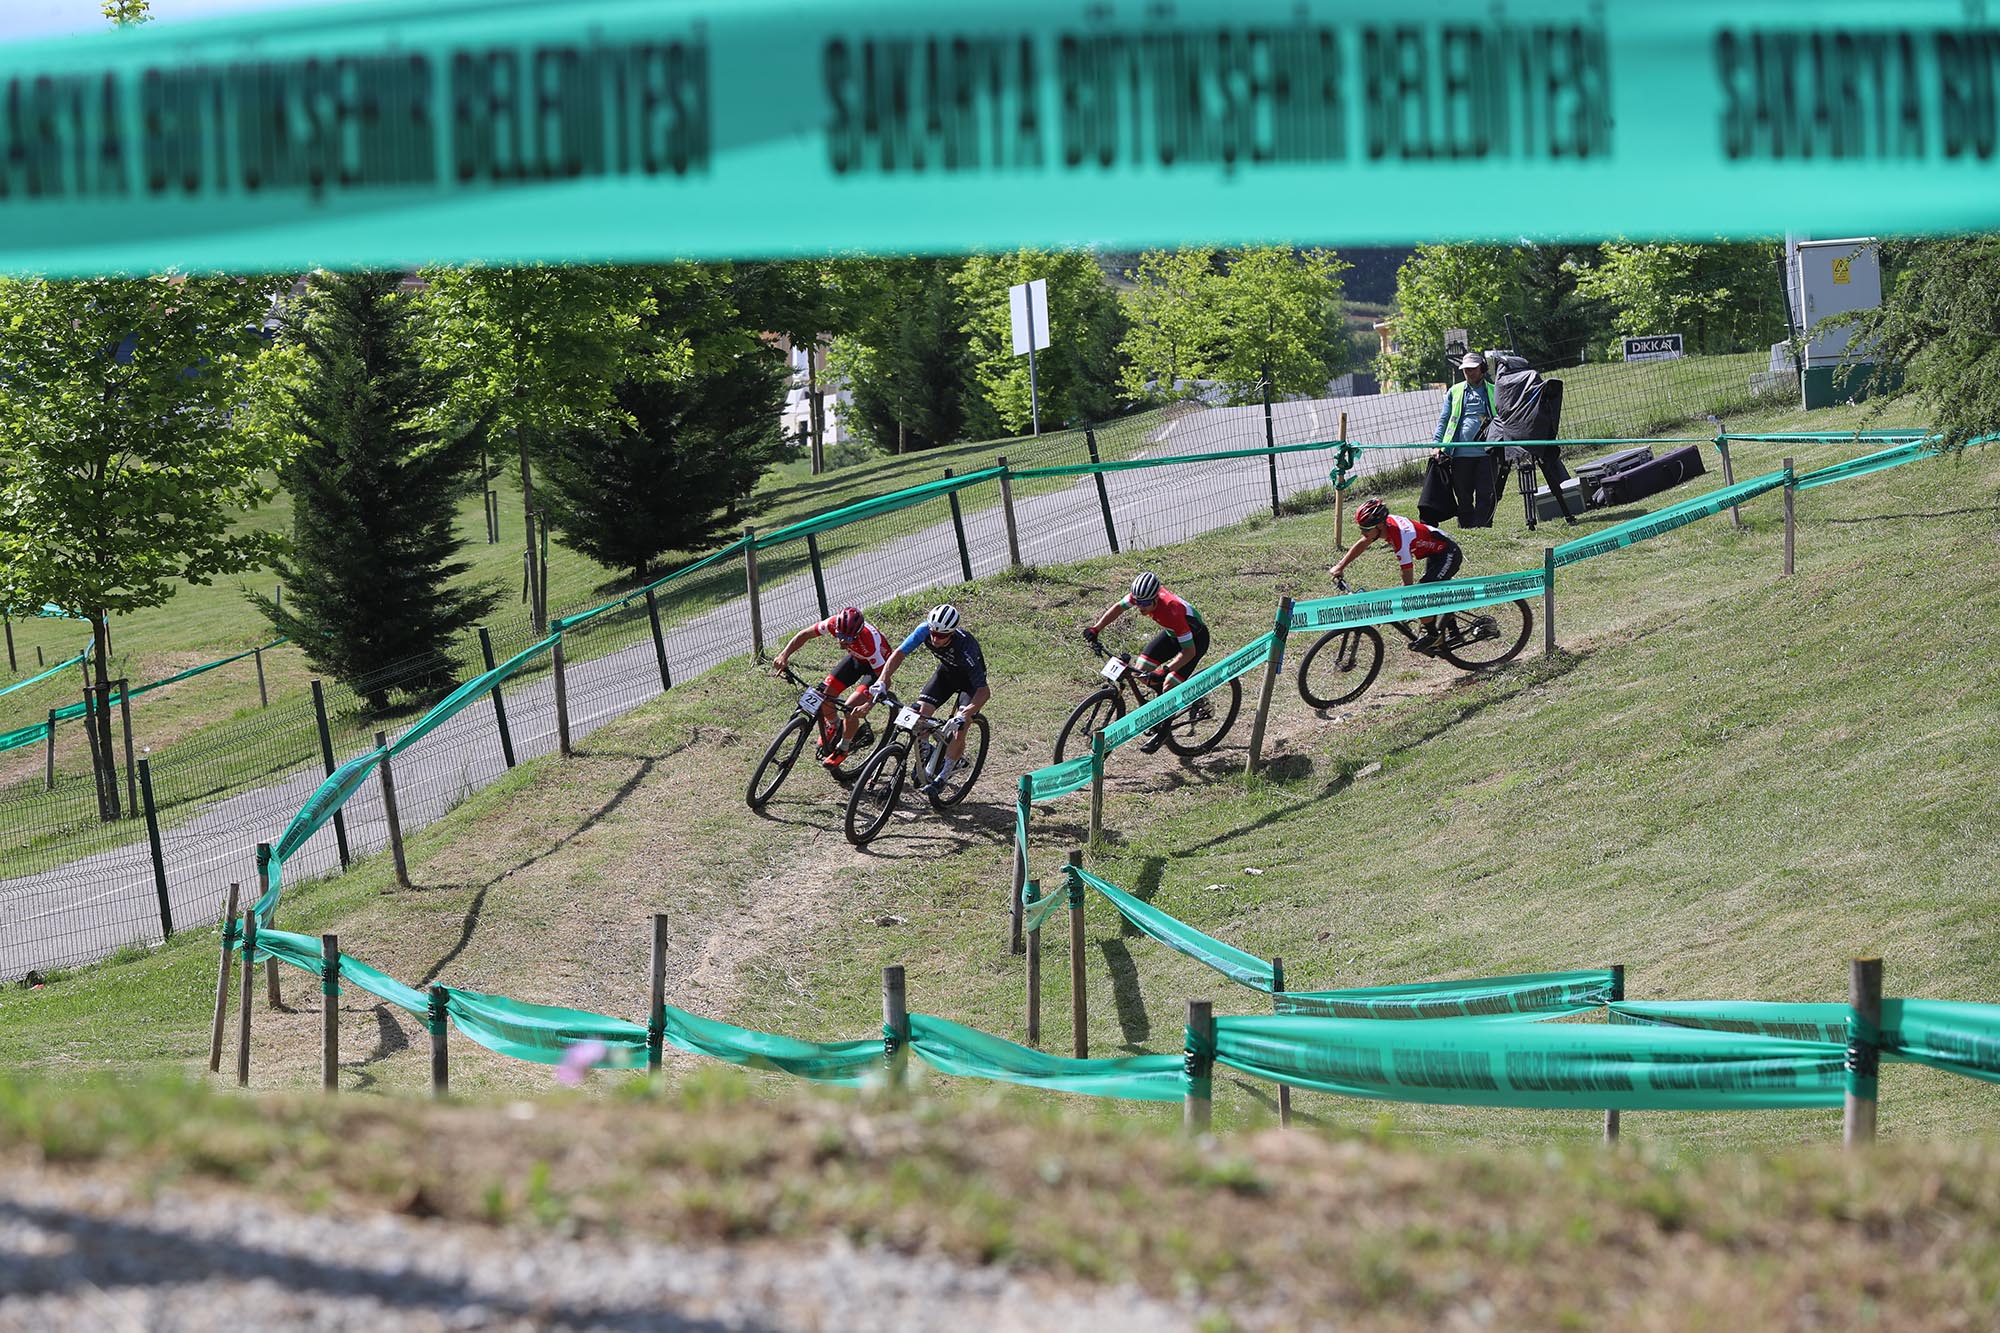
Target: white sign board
{"x":1029,"y":302}
{"x":1654,"y":347}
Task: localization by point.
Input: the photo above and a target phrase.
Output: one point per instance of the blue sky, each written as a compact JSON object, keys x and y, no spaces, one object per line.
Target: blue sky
{"x":57,"y":18}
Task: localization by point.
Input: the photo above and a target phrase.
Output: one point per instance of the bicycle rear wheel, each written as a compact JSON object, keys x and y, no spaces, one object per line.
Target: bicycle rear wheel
{"x":1200,"y":727}
{"x":1340,"y":665}
{"x":1482,"y":639}
{"x":1098,"y":711}
{"x":776,"y":765}
{"x":873,"y":797}
{"x":976,"y":735}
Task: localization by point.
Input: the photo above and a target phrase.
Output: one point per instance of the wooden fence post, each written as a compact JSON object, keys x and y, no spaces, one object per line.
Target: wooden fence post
{"x":270,"y":964}
{"x":1096,"y":790}
{"x":1079,"y":998}
{"x":1032,"y":894}
{"x":1864,"y":997}
{"x":1611,"y":1117}
{"x":153,"y":842}
{"x":750,"y":582}
{"x":329,"y":1013}
{"x":562,"y":693}
{"x":1548,"y":601}
{"x":1790,"y":491}
{"x":958,"y":528}
{"x":1103,"y":495}
{"x":819,"y":574}
{"x":656,"y":995}
{"x":263,"y":691}
{"x":1729,"y":479}
{"x":1284,"y":1089}
{"x":13,"y":666}
{"x":389,"y":810}
{"x":249,"y":991}
{"x":895,"y":1026}
{"x":659,"y":641}
{"x":222,"y":981}
{"x":1274,"y":666}
{"x":1199,"y":1104}
{"x":326,"y":758}
{"x":1340,"y":500}
{"x":439,"y":1022}
{"x":499,"y":704}
{"x":1007,"y":512}
{"x":131,"y":770}
{"x":1023,"y":809}
{"x":1270,"y":442}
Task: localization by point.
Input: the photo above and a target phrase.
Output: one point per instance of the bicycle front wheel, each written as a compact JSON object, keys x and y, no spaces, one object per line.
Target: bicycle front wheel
{"x":1094,"y":714}
{"x":1483,"y":639}
{"x":976,"y":736}
{"x":1200,"y":727}
{"x":873,"y":797}
{"x":776,"y":765}
{"x":1340,"y":665}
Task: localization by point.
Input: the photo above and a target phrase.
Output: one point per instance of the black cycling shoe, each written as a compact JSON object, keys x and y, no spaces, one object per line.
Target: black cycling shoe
{"x":1153,"y":742}
{"x":1425,"y":643}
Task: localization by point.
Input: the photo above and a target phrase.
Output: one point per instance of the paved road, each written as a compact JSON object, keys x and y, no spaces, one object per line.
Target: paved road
{"x":89,"y":908}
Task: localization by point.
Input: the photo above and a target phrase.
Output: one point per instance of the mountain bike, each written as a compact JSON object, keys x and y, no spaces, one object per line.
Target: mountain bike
{"x":912,"y":746}
{"x":1343,"y":662}
{"x":783,"y":752}
{"x":1195,"y":730}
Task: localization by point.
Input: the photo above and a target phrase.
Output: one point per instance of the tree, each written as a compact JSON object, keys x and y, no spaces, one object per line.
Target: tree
{"x":1939,"y":324}
{"x":1173,"y":333}
{"x":1443,"y":287}
{"x":124,"y":13}
{"x":374,"y":489}
{"x":124,"y":472}
{"x":1552,"y":320}
{"x":1282,"y":321}
{"x":682,"y":455}
{"x":1077,"y":374}
{"x":535,"y":352}
{"x":1722,"y":298}
{"x":904,"y":356}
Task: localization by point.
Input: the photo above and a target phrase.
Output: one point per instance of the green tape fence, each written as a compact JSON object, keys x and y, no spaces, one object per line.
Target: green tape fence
{"x":39,"y":731}
{"x":38,"y":679}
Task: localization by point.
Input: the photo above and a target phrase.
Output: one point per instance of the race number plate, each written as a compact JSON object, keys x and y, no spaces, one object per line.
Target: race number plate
{"x":810,"y":701}
{"x":1114,"y":668}
{"x":908,"y":719}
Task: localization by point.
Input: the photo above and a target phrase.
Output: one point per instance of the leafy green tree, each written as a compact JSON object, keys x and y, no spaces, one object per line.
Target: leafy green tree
{"x":124,"y":13}
{"x":1442,"y":287}
{"x":1722,"y":298}
{"x":1174,"y":333}
{"x":1939,"y":323}
{"x":904,"y":354}
{"x":124,"y":473}
{"x":374,"y":561}
{"x":1077,"y":374}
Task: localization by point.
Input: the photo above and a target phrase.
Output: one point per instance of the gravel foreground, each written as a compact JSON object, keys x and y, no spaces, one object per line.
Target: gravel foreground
{"x":84,"y":1253}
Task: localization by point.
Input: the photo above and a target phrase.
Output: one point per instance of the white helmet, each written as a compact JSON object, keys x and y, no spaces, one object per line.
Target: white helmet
{"x":1146,"y":587}
{"x":944,"y":619}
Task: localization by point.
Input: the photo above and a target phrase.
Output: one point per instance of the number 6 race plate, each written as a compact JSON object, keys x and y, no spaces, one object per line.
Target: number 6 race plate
{"x":907,"y":719}
{"x":1114,"y":669}
{"x":810,"y":701}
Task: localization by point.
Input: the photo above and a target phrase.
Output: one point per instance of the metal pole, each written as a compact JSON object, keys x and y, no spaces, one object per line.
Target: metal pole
{"x":958,"y":526}
{"x":895,"y":1026}
{"x":13,"y":665}
{"x":1273,"y":668}
{"x":49,"y":781}
{"x":329,"y":1013}
{"x":439,"y":1022}
{"x":131,"y":773}
{"x":1284,"y":1089}
{"x":1790,"y":491}
{"x":263,"y":693}
{"x":222,"y":981}
{"x":499,"y":704}
{"x":1034,"y":390}
{"x":389,"y":810}
{"x":1617,"y":993}
{"x":1023,"y":807}
{"x":1864,"y":997}
{"x":750,"y":580}
{"x":562,"y":696}
{"x":145,"y":767}
{"x":1270,"y":442}
{"x":660,"y":640}
{"x":819,"y":575}
{"x":249,"y":989}
{"x":656,"y":995}
{"x":1729,"y":479}
{"x":1103,"y":495}
{"x":1007,"y":512}
{"x":1096,"y":790}
{"x":1548,"y":601}
{"x":1199,"y":1104}
{"x":1079,"y":998}
{"x":1031,"y":893}
{"x":326,"y":758}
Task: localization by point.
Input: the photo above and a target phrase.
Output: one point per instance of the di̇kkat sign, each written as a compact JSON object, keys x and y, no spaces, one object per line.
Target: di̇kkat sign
{"x":1654,"y":347}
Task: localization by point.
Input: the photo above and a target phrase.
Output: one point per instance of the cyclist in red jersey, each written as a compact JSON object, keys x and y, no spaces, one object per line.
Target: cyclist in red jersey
{"x":867,"y":651}
{"x":1409,"y":540}
{"x":1173,"y":652}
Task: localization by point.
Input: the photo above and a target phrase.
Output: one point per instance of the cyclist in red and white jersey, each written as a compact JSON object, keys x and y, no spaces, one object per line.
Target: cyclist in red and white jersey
{"x":1409,"y":540}
{"x":867,"y":653}
{"x":1171,"y":656}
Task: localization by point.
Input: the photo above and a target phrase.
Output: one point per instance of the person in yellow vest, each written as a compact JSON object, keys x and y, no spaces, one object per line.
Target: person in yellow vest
{"x":1475,"y":479}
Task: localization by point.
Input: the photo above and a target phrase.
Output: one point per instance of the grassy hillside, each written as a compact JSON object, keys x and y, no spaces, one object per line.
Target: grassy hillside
{"x":1727,"y":781}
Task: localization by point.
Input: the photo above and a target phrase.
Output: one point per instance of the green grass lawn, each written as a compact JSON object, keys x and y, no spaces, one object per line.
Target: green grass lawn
{"x":1729,"y":782}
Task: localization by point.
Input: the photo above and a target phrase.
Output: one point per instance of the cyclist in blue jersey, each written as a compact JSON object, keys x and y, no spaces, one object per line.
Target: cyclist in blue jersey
{"x":961,"y":672}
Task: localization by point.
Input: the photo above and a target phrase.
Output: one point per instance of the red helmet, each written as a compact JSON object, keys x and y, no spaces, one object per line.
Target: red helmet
{"x":848,"y":623}
{"x":1370,"y":513}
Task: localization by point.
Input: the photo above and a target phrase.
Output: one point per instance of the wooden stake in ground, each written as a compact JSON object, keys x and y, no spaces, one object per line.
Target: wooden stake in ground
{"x":270,"y":964}
{"x":1548,"y":601}
{"x":1198,"y":1106}
{"x":561,"y":674}
{"x":329,"y":1013}
{"x":1864,"y":1026}
{"x":896,"y":1026}
{"x":1617,"y":993}
{"x":440,"y":1024}
{"x":750,"y":582}
{"x":1274,"y":666}
{"x":1284,"y":1089}
{"x":1007,"y":511}
{"x":389,"y":810}
{"x":222,"y":980}
{"x":1023,"y":807}
{"x":1079,"y":998}
{"x":656,"y":995}
{"x":1790,"y":492}
{"x":1340,"y":500}
{"x":1096,"y":790}
{"x":1031,"y":893}
{"x":249,"y":989}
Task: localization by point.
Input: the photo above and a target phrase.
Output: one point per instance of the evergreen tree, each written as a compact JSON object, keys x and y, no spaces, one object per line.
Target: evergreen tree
{"x":902,"y":351}
{"x":1939,"y":324}
{"x":373,"y":563}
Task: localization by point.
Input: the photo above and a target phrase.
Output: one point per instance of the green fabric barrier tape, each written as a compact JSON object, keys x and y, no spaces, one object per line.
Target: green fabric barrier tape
{"x":582,"y":618}
{"x":770,"y":129}
{"x":1665,"y":520}
{"x":468,"y":694}
{"x":1798,"y":1022}
{"x":192,"y":672}
{"x":542,"y":1033}
{"x":848,"y":1063}
{"x":36,"y":680}
{"x":1060,"y":779}
{"x":1529,"y":997}
{"x":1174,"y":460}
{"x":303,"y":952}
{"x":1373,"y":608}
{"x":952,"y":1048}
{"x":1240,"y":967}
{"x":1880,"y":461}
{"x":1035,"y":915}
{"x":1155,"y":711}
{"x":880,"y":504}
{"x":1467,"y":1062}
{"x":1825,"y":436}
{"x":1951,"y":1035}
{"x":14,"y":740}
{"x":29,"y":735}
